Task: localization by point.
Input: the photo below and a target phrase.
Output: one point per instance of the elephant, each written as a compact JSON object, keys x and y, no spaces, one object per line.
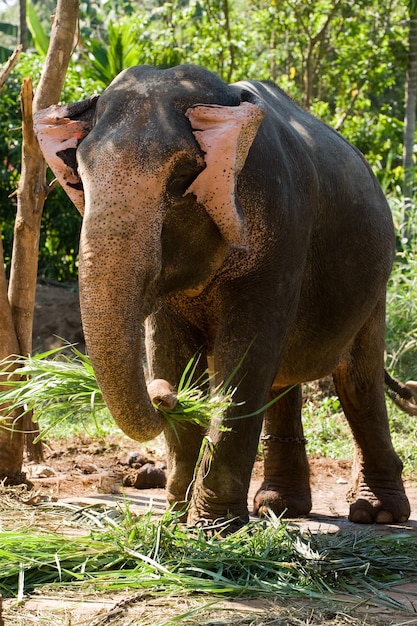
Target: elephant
{"x":229,"y":223}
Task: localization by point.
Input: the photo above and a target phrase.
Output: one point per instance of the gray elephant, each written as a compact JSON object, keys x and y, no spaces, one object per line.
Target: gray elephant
{"x":241,"y":228}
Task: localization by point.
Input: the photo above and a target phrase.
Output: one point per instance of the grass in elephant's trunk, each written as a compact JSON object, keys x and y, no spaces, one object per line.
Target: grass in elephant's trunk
{"x":194,"y":404}
{"x":65,"y":386}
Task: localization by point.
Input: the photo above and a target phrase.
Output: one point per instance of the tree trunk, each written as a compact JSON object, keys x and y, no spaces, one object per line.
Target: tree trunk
{"x":410,"y":122}
{"x":23,"y":30}
{"x":11,"y":440}
{"x":32,"y":189}
{"x":32,"y":192}
{"x":311,"y":62}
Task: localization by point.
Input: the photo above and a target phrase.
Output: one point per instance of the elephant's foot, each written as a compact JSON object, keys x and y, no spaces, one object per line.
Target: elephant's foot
{"x":208,"y":510}
{"x":178,"y":498}
{"x":286,"y":503}
{"x":16,"y":478}
{"x":180,"y":507}
{"x":378,"y":504}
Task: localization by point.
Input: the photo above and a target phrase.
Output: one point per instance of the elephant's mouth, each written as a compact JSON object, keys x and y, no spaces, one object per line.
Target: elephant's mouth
{"x":193,"y":292}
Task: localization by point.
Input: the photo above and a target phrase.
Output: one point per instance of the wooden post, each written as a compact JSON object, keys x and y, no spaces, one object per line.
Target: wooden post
{"x":31,"y":195}
{"x":11,"y":440}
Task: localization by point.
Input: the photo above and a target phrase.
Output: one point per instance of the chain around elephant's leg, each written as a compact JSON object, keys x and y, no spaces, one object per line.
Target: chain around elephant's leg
{"x":285,"y":488}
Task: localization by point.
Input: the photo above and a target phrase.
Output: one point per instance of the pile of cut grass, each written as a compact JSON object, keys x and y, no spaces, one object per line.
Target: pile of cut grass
{"x":163,"y":557}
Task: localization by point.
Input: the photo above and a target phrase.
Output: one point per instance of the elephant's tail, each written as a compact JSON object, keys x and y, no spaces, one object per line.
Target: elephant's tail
{"x":403,"y":395}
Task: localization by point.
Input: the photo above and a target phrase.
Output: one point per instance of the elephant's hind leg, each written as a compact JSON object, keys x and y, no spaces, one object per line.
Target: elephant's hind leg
{"x":285,"y":488}
{"x":377,"y":492}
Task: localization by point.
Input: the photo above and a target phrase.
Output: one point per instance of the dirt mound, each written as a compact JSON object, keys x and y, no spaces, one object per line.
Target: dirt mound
{"x":57,"y":318}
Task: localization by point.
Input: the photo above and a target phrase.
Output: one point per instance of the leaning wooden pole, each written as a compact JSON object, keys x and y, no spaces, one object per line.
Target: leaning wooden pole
{"x":11,"y":438}
{"x":9,"y":65}
{"x":33,"y":189}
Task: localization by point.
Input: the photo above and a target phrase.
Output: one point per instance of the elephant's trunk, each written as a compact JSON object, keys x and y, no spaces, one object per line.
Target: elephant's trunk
{"x":114,"y":287}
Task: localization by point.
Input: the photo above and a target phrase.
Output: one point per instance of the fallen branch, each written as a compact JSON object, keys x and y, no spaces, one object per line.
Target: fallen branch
{"x":9,"y":65}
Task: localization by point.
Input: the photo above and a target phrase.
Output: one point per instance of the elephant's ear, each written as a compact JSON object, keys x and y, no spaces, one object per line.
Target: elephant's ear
{"x":59,"y":130}
{"x":225,"y":134}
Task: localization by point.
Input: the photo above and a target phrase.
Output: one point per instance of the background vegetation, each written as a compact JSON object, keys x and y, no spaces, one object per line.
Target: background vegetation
{"x":344,"y":60}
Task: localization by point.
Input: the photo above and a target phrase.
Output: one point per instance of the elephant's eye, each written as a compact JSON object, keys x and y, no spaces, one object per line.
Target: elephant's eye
{"x":181,"y":179}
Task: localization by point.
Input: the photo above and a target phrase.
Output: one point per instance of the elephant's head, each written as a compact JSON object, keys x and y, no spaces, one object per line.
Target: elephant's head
{"x":152,"y":163}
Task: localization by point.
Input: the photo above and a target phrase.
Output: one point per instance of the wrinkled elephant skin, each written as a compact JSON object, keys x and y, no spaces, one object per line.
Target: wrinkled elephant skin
{"x":234,"y":225}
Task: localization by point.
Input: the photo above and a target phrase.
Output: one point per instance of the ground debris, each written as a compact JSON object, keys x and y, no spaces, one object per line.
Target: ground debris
{"x":66,"y":609}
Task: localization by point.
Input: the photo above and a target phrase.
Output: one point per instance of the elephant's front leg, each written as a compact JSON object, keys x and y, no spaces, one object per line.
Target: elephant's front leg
{"x":170,"y":345}
{"x":183,"y":446}
{"x":286,"y":486}
{"x":222,"y":483}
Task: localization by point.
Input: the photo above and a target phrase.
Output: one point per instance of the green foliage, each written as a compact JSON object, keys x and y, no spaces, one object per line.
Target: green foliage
{"x":403,"y":434}
{"x":326,"y":428}
{"x":401,"y":332}
{"x":354,"y":53}
{"x":110,"y":57}
{"x":328,"y":434}
{"x":401,"y":335}
{"x":8,"y":31}
{"x":39,"y":36}
{"x":169,"y":34}
{"x":61,"y":389}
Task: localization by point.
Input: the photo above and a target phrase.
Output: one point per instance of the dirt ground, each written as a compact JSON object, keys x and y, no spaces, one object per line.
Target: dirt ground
{"x":87,"y":471}
{"x":92,"y":470}
{"x":57,"y":315}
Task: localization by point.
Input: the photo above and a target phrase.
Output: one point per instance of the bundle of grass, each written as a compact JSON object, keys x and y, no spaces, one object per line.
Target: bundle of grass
{"x":51,"y":384}
{"x":63,"y":386}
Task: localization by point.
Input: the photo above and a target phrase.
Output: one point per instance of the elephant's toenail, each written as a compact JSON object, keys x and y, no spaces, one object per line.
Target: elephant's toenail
{"x":361,"y":517}
{"x":384,"y":517}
